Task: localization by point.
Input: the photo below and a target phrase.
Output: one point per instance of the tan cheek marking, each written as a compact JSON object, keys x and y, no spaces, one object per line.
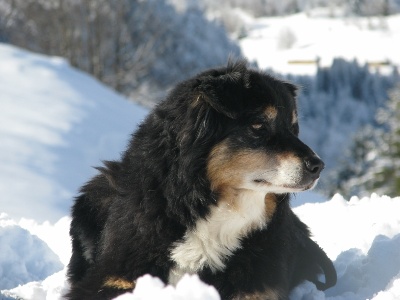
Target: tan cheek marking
{"x":270,"y":205}
{"x":228,"y":195}
{"x":119,"y":283}
{"x":289,"y":162}
{"x":227,"y":169}
{"x":288,"y":156}
{"x":271,"y":112}
{"x":218,"y":165}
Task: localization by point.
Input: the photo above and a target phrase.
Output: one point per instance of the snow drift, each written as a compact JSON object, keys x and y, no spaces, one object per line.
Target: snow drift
{"x":24,"y":257}
{"x":55,"y":124}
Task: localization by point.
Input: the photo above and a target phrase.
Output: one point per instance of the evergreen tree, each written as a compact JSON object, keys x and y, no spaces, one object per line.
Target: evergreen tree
{"x":387,"y":165}
{"x":353,"y":174}
{"x":372,"y":163}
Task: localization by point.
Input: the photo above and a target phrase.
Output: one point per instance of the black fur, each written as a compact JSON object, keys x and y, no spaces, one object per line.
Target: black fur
{"x":126,"y":218}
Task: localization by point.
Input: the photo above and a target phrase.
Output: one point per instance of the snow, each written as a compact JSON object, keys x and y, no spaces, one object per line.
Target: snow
{"x":189,"y":287}
{"x":56,"y":122}
{"x":355,"y":223}
{"x":361,"y":236}
{"x":24,"y":257}
{"x":311,"y":36}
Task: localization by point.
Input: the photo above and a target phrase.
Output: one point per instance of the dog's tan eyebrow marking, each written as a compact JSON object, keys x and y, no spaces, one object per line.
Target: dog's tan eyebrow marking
{"x":271,"y":112}
{"x":119,"y":283}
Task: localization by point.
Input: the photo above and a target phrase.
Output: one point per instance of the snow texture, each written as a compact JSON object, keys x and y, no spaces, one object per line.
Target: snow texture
{"x":361,"y":236}
{"x":56,"y":123}
{"x":23,"y":257}
{"x":189,"y":287}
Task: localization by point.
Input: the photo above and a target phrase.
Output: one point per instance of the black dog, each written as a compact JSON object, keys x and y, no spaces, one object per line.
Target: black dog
{"x":203,"y":188}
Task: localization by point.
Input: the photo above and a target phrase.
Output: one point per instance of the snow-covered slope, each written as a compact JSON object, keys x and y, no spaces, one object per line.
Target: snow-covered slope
{"x":57,"y":122}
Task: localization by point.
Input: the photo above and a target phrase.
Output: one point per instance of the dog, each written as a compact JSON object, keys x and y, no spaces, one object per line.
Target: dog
{"x":204,"y":188}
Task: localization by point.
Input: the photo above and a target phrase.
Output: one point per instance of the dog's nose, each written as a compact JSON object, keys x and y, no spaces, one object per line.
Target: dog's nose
{"x":314,"y":165}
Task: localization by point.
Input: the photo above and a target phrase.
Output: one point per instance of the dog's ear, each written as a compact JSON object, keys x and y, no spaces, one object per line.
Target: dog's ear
{"x":291,"y":88}
{"x":224,"y":90}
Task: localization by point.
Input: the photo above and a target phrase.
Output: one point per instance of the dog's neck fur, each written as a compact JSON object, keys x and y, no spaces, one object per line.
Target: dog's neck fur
{"x":215,"y":238}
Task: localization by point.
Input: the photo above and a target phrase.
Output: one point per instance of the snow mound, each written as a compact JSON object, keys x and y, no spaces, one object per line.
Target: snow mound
{"x":24,"y":257}
{"x":362,"y":276}
{"x":147,"y":287}
{"x":52,"y":288}
{"x":339,"y":225}
{"x":56,"y":235}
{"x":189,"y":287}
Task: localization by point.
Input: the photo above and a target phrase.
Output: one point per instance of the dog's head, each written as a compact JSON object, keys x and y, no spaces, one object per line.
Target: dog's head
{"x":257,"y":145}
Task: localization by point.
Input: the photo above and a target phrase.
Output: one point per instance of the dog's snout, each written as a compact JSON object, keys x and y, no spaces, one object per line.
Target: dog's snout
{"x":314,"y":165}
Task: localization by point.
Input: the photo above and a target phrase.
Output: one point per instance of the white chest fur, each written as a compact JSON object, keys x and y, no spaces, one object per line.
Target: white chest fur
{"x":215,"y":238}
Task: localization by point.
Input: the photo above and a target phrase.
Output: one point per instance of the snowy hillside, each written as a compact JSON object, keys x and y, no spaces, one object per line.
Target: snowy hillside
{"x":293,"y":44}
{"x":57,"y":122}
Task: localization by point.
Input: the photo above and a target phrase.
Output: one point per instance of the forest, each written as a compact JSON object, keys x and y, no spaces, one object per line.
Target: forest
{"x":139,"y":48}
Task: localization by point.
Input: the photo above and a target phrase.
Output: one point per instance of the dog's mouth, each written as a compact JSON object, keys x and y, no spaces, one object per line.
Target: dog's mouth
{"x":302,"y":186}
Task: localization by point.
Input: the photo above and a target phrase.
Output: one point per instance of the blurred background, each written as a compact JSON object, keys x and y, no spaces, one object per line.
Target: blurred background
{"x":343,"y":54}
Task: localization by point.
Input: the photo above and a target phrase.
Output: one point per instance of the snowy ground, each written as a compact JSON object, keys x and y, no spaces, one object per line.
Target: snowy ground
{"x":361,"y":236}
{"x":56,"y":122}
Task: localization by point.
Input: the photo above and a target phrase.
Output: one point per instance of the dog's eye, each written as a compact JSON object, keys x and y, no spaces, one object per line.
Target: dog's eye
{"x":259,"y":129}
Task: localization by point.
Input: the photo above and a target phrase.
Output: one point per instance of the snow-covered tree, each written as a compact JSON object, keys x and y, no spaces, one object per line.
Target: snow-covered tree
{"x":372,"y":163}
{"x":353,"y":174}
{"x":386,"y":179}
